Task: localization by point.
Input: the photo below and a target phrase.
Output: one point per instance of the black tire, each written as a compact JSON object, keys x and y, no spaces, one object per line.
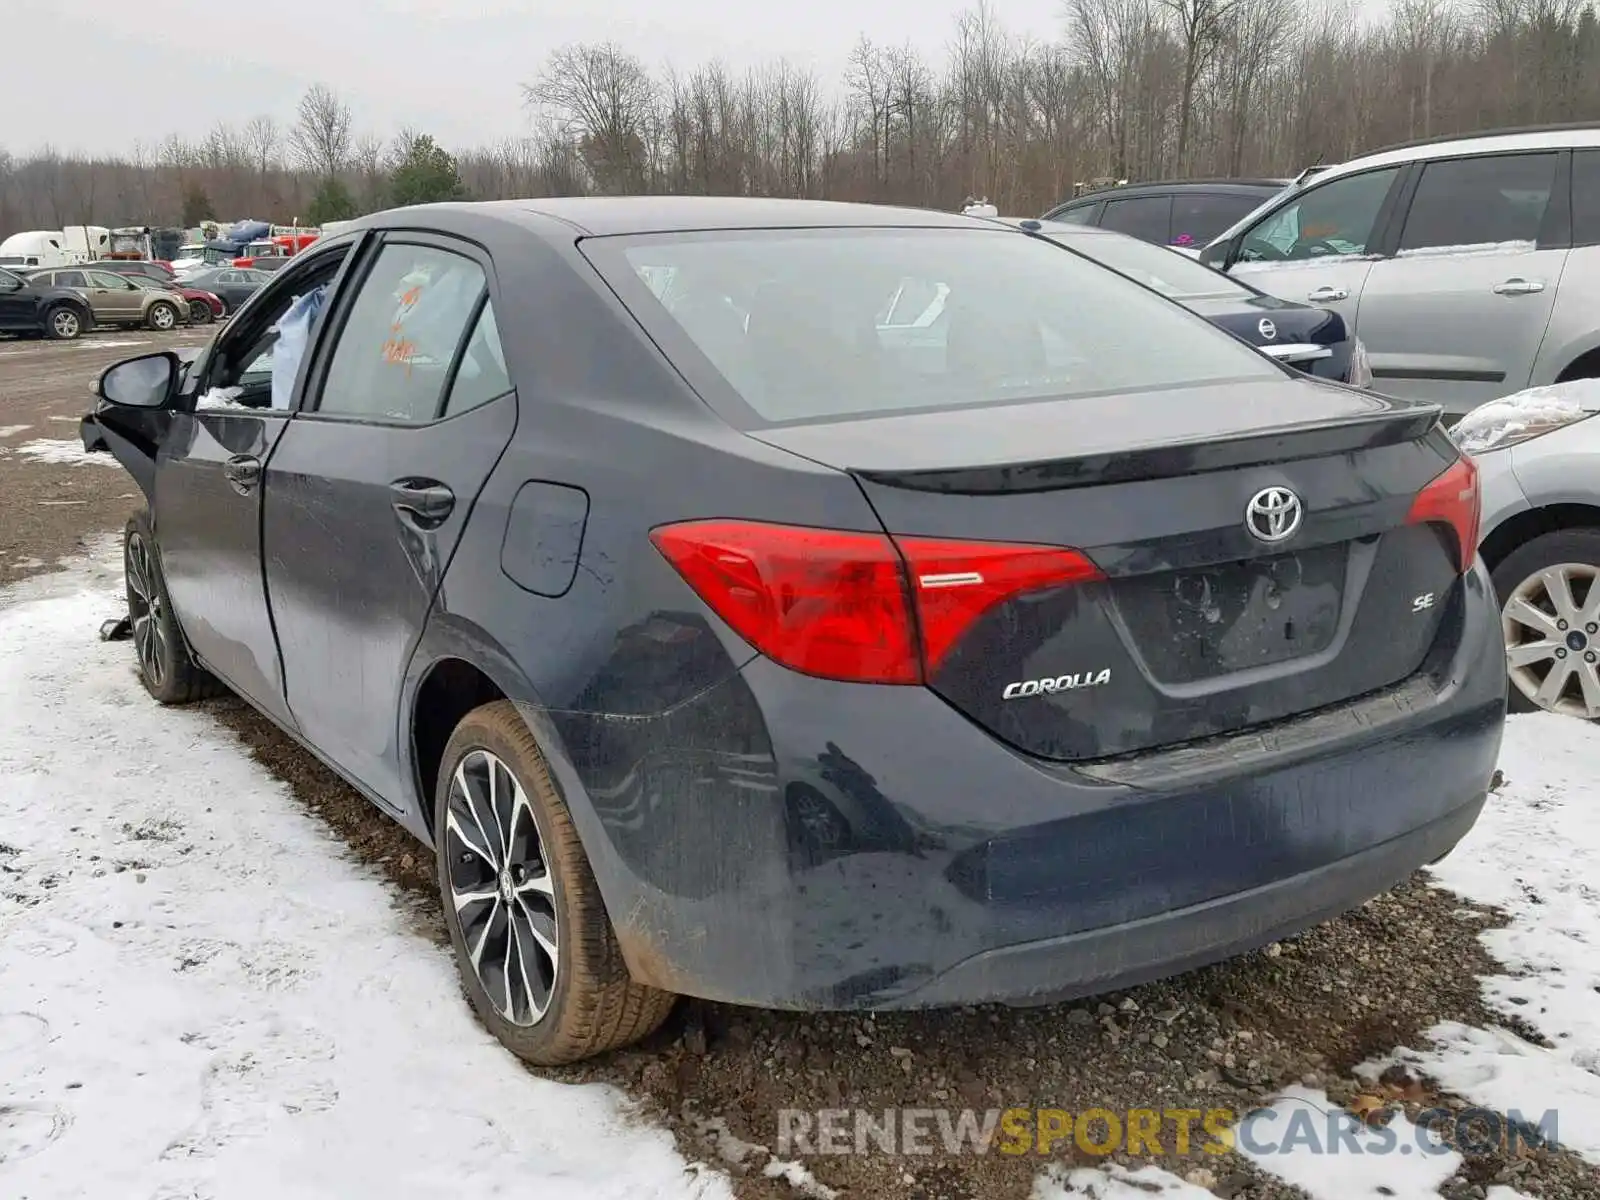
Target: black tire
{"x":162,"y":317}
{"x":165,"y":668}
{"x":593,"y":1003}
{"x":64,"y":323}
{"x":1580,"y":545}
{"x":200,"y":313}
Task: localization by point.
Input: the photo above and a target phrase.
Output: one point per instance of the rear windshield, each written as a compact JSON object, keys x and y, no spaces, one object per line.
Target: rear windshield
{"x":1167,"y":271}
{"x":816,"y":324}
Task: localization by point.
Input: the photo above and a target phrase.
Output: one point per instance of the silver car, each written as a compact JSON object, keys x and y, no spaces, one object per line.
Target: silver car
{"x":1538,"y":456}
{"x":1468,"y":267}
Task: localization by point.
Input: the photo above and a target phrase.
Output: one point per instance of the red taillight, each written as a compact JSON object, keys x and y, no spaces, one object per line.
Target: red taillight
{"x":849,"y":606}
{"x":1453,"y":499}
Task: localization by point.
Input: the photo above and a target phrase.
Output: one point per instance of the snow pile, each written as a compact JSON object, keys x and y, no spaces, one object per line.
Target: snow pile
{"x":63,"y":453}
{"x":1522,"y":414}
{"x":1114,"y":1182}
{"x":7,"y":431}
{"x":203,"y":997}
{"x":1535,"y":853}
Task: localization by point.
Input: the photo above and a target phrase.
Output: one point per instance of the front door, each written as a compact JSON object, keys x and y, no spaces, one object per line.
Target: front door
{"x":369,"y":489}
{"x":18,"y":307}
{"x":114,"y":299}
{"x":1314,"y":248}
{"x":1458,"y":314}
{"x":208,"y":492}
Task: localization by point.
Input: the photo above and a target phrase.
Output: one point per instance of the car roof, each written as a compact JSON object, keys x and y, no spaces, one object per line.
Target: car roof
{"x":603,"y":216}
{"x":1548,"y":137}
{"x":1176,"y":186}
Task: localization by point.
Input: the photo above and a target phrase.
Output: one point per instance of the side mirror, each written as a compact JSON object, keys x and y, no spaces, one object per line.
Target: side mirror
{"x":144,"y":382}
{"x":1219,"y":255}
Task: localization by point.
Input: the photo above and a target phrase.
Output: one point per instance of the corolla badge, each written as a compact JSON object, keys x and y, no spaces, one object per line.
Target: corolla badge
{"x":1060,"y":683}
{"x":1266,"y":329}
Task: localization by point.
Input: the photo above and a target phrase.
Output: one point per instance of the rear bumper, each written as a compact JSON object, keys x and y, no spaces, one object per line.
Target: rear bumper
{"x":793,"y":843}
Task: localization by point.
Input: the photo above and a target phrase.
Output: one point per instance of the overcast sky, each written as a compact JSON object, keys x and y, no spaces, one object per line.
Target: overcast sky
{"x":98,"y":75}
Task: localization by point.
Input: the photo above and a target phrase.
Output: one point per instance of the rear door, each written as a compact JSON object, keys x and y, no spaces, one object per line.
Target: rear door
{"x":1457,"y":315}
{"x":1319,"y":245}
{"x":368,"y":490}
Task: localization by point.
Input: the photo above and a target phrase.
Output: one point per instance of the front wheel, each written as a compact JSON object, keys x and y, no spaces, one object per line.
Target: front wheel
{"x":200,"y":313}
{"x":1549,"y":593}
{"x":163,"y":317}
{"x":165,"y":668}
{"x":536,"y":950}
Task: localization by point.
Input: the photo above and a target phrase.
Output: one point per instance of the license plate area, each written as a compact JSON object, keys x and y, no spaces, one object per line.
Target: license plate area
{"x":1203,"y":622}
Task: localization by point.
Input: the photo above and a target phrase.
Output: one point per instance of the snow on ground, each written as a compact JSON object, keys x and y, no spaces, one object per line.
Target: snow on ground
{"x":12,"y":430}
{"x":1535,"y":853}
{"x":204,"y":998}
{"x":63,"y":452}
{"x":80,"y":344}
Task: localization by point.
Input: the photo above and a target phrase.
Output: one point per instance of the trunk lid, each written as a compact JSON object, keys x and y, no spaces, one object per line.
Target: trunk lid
{"x":1199,"y":626}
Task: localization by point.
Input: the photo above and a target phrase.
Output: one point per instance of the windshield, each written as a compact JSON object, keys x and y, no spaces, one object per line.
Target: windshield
{"x":1167,"y":271}
{"x":818,"y":324}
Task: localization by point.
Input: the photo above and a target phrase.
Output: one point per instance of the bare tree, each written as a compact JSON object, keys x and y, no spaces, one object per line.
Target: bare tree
{"x":605,"y":99}
{"x":321,"y":136}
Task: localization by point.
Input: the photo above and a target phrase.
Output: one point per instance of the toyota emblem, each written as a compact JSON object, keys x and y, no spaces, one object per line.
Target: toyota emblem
{"x":1267,"y":329}
{"x":1273,"y":514}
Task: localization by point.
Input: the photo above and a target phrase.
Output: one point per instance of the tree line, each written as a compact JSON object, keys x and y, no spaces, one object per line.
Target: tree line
{"x":1133,"y":89}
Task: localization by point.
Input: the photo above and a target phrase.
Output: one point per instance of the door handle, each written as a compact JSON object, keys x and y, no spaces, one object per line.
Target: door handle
{"x":1519,"y":287}
{"x":1324,"y":294}
{"x":426,"y":503}
{"x":243,"y":472}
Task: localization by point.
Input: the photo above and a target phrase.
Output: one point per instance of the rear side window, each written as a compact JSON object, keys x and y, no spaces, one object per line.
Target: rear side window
{"x":1148,"y":218}
{"x":1586,"y":197}
{"x":482,"y":375}
{"x":1498,"y":200}
{"x":817,"y":324}
{"x":69,"y":279}
{"x":1085,"y":214}
{"x":1196,"y":219}
{"x":400,"y":339}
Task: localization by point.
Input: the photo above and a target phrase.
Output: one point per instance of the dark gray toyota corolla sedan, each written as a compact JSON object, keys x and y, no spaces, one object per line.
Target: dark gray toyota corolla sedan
{"x":811,"y":605}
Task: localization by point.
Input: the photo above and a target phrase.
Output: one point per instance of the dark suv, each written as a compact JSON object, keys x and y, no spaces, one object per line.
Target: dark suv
{"x":813,"y":605}
{"x":1188,"y":212}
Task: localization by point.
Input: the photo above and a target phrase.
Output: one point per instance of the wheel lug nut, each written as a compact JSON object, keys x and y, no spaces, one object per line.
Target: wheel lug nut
{"x":1592,"y":627}
{"x":1561,"y":624}
{"x":465,"y":858}
{"x":1561,"y":653}
{"x":517,"y":873}
{"x":1589,"y":656}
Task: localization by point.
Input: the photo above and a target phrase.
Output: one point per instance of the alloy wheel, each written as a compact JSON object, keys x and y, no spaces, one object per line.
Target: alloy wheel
{"x":1552,"y":631}
{"x":163,"y":317}
{"x":66,"y":324}
{"x":502,"y":888}
{"x":145,"y":612}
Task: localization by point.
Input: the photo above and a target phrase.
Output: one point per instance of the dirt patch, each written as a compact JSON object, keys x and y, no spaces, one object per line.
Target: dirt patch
{"x":53,"y":498}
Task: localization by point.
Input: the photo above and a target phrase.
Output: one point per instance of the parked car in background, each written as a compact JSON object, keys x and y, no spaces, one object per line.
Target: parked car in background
{"x":1186,"y":212}
{"x":662,"y":531}
{"x":1469,"y":267}
{"x":1313,"y":340}
{"x":118,"y":300}
{"x":144,"y":268}
{"x":232,"y":285}
{"x":1538,"y":455}
{"x":36,"y":308}
{"x":204,"y":307}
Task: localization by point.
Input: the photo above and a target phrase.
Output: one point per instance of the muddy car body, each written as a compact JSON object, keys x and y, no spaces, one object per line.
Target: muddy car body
{"x":685,"y":623}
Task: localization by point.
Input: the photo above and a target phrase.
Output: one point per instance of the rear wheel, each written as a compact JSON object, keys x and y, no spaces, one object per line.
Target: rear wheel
{"x":200,"y":313}
{"x":165,"y":668}
{"x":162,"y":316}
{"x":64,"y":323}
{"x":1549,"y":592}
{"x":536,"y":950}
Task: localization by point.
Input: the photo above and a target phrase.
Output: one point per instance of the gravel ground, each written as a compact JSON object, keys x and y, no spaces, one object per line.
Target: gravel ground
{"x":1307,"y":1011}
